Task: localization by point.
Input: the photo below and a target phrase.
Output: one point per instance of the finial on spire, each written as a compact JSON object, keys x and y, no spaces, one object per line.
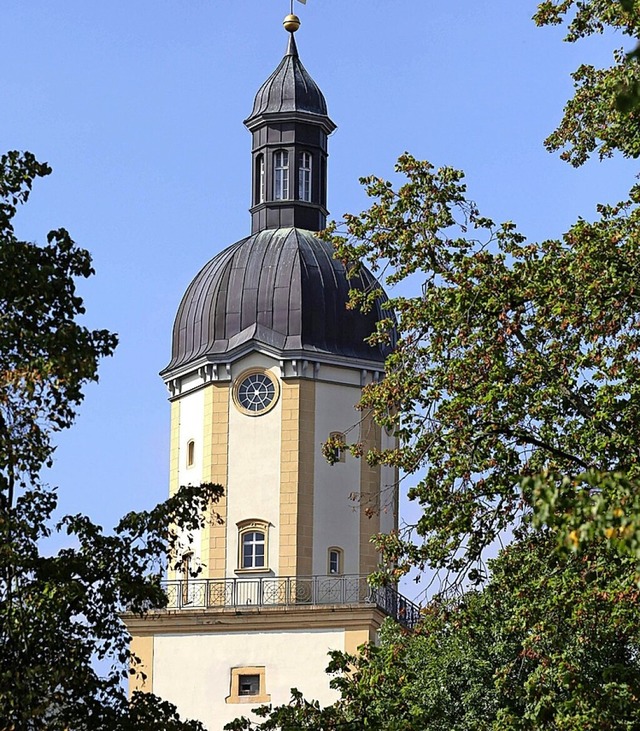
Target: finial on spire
{"x":291,"y":23}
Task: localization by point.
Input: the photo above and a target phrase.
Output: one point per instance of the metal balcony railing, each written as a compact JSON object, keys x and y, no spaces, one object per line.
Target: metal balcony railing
{"x":244,"y":593}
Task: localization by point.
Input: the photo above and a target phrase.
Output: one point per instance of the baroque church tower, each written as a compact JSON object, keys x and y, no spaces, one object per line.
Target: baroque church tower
{"x":267,"y":363}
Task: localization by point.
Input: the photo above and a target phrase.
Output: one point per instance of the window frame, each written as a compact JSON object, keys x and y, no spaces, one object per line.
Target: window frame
{"x":255,"y":541}
{"x":260,"y":188}
{"x":185,"y":571}
{"x":253,"y":681}
{"x":245,"y":529}
{"x":340,"y":556}
{"x":191,"y":453}
{"x":281,"y":190}
{"x":239,"y":381}
{"x":234,"y":685}
{"x":305,"y":176}
{"x":342,"y":452}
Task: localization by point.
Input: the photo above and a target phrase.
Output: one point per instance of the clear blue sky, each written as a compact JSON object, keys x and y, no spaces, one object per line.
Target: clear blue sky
{"x":138,"y":106}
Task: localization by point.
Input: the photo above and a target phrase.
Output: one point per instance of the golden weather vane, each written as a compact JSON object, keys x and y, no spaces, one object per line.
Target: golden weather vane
{"x":304,"y":2}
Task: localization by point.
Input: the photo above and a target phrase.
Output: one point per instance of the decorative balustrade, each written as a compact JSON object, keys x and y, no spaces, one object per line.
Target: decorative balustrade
{"x":244,"y":593}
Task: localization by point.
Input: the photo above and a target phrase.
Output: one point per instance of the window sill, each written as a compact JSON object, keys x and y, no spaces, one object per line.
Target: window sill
{"x":248,"y":698}
{"x":261,"y":570}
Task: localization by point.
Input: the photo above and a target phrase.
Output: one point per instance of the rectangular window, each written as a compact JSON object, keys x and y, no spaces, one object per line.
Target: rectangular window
{"x":253,"y":554}
{"x":249,"y":685}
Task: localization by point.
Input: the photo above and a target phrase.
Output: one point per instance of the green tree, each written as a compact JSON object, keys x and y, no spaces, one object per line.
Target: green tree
{"x":513,"y":390}
{"x":518,"y":358}
{"x":561,"y":651}
{"x":60,"y":613}
{"x":603,"y":115}
{"x":515,"y":359}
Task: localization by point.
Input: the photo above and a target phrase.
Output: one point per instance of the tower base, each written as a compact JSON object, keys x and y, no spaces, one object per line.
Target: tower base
{"x":217,"y":664}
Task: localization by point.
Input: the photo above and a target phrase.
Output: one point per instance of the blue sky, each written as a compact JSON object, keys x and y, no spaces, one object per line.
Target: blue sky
{"x":138,"y":106}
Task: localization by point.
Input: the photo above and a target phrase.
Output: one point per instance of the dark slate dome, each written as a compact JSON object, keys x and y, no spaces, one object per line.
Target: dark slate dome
{"x":290,"y":88}
{"x":281,"y":288}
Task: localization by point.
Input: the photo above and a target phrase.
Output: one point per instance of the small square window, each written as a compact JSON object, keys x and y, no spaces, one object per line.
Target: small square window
{"x":249,"y":685}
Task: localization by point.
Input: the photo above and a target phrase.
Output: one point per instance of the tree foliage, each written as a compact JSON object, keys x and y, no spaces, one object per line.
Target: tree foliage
{"x":513,"y":390}
{"x":559,"y":652}
{"x":45,"y":355}
{"x":515,"y":358}
{"x":604,"y":114}
{"x":60,"y":614}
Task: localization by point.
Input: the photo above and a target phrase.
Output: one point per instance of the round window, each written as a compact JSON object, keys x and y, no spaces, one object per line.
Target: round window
{"x":255,"y":393}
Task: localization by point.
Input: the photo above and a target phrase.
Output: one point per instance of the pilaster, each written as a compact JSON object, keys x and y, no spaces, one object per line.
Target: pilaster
{"x":215,"y":469}
{"x":369,"y":497}
{"x":174,"y":448}
{"x":297,"y":478}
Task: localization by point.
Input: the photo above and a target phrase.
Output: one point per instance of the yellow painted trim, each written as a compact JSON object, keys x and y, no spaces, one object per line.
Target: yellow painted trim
{"x":370,"y":479}
{"x":215,"y":469}
{"x":174,"y":447}
{"x":289,"y":449}
{"x":355,"y":638}
{"x":174,"y":461}
{"x":142,"y":662}
{"x":234,"y":692}
{"x":297,"y":452}
{"x":306,"y":480}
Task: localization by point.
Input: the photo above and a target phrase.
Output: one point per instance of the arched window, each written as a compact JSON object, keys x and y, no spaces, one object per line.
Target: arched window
{"x":191,"y":452}
{"x":186,"y":571}
{"x":259,"y":179}
{"x":335,"y":560}
{"x":281,"y":175}
{"x":304,"y":177}
{"x":323,"y":181}
{"x":252,"y":545}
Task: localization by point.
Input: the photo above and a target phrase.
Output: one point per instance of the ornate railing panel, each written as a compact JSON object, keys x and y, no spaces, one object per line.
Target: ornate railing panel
{"x":238,"y":593}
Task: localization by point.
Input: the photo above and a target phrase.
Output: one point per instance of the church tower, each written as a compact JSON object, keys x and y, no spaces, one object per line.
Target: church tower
{"x":267,"y":363}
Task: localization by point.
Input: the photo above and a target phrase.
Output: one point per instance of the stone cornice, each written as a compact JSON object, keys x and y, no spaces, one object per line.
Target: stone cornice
{"x":257,"y":619}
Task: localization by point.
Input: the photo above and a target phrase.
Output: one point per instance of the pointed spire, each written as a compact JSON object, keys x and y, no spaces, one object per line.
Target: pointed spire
{"x":290,"y":89}
{"x":292,"y":49}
